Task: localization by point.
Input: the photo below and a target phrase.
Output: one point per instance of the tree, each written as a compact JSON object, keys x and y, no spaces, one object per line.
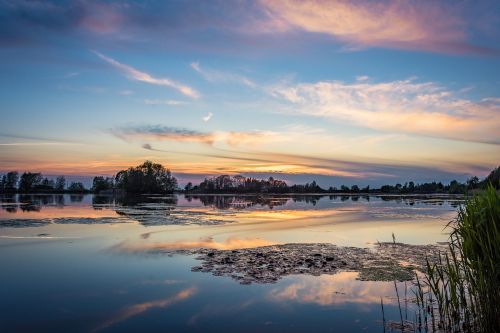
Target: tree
{"x":29,"y":181}
{"x":148,"y":177}
{"x":60,"y":184}
{"x":411,"y":187}
{"x":45,"y":185}
{"x":472,"y":182}
{"x":102,"y":184}
{"x":493,"y":178}
{"x":354,"y":188}
{"x":188,"y":187}
{"x":76,"y":187}
{"x":344,"y":188}
{"x":9,"y":181}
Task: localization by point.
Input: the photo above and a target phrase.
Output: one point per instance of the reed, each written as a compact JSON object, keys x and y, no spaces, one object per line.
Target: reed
{"x":461,"y":292}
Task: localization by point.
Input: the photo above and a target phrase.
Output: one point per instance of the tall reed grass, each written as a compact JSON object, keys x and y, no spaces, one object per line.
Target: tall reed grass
{"x":461,"y":292}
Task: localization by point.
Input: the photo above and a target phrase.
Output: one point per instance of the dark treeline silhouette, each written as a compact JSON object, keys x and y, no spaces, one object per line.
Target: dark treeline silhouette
{"x":239,"y":184}
{"x":35,"y":182}
{"x":152,"y":177}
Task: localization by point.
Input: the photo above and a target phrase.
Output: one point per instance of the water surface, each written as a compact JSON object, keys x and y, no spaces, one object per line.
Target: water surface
{"x":87,"y":263}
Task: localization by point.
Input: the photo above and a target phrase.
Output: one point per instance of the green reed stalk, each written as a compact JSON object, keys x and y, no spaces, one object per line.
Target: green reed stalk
{"x":465,"y":283}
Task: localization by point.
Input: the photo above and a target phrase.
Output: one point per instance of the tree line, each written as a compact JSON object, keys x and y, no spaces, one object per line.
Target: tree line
{"x":239,"y":184}
{"x":33,"y":182}
{"x":150,"y":177}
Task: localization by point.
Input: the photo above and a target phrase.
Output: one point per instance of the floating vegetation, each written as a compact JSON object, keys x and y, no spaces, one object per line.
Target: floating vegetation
{"x":30,"y":223}
{"x":268,"y":264}
{"x":24,"y":223}
{"x":159,"y":214}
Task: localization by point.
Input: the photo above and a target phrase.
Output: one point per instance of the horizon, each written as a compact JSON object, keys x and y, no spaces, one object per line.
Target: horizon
{"x":342,"y":94}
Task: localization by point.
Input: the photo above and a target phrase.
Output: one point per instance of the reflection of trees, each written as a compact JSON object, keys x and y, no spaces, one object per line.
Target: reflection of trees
{"x":76,"y":197}
{"x":9,"y":203}
{"x":98,"y":201}
{"x":133,"y":200}
{"x":242,"y":202}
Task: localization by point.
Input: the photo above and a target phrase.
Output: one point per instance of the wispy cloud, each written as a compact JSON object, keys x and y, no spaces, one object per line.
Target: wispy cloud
{"x":163,"y":102}
{"x":420,"y":25}
{"x":213,"y":75}
{"x":162,"y":133}
{"x":137,"y":75}
{"x":166,"y":133}
{"x":208,"y":117}
{"x":126,"y":92}
{"x":36,"y":143}
{"x":404,"y":106}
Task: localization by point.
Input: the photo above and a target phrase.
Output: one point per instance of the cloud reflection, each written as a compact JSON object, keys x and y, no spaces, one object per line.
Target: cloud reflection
{"x":137,"y":309}
{"x":326,"y":290}
{"x":208,"y":243}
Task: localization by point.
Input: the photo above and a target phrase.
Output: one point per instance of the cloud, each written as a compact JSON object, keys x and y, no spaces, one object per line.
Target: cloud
{"x":136,"y":75}
{"x":126,"y":92}
{"x":163,"y":102}
{"x":417,"y":25}
{"x":234,"y":138}
{"x":166,"y":133}
{"x":213,"y":75}
{"x":162,"y":133}
{"x":404,"y":106}
{"x":208,"y":117}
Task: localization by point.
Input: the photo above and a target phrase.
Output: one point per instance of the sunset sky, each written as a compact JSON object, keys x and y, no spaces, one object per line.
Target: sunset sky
{"x":343,"y":92}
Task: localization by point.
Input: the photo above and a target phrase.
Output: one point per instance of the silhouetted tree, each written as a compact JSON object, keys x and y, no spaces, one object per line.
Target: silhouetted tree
{"x":29,"y":181}
{"x":76,"y":187}
{"x":493,"y":178}
{"x":472,"y":182}
{"x":100,"y":184}
{"x":60,"y":184}
{"x":9,"y":182}
{"x":148,"y":177}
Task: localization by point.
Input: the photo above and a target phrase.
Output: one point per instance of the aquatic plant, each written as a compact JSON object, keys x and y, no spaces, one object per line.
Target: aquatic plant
{"x":461,"y":292}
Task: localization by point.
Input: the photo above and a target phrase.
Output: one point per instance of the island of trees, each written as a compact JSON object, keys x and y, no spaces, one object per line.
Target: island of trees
{"x":152,"y":177}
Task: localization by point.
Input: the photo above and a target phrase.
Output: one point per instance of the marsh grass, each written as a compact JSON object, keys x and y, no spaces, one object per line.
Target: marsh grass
{"x":461,"y":292}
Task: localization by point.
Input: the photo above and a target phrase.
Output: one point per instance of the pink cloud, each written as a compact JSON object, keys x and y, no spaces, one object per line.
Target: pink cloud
{"x":397,"y":24}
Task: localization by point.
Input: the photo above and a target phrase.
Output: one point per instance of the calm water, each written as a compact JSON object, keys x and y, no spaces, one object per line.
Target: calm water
{"x":93,"y":264}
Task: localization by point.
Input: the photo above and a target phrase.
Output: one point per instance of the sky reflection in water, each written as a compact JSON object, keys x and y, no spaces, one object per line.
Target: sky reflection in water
{"x":80,"y":277}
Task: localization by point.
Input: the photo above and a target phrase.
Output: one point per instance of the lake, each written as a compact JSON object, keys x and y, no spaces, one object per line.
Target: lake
{"x":84,"y":263}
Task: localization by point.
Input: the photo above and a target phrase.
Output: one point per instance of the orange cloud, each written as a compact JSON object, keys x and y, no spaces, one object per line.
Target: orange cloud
{"x":398,"y":106}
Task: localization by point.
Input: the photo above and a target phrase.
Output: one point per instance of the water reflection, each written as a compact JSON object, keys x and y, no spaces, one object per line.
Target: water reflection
{"x":137,"y":309}
{"x":150,"y":210}
{"x":328,"y":290}
{"x":127,"y":289}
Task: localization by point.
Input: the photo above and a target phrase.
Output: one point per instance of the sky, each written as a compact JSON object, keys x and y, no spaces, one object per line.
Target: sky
{"x":341,"y":92}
